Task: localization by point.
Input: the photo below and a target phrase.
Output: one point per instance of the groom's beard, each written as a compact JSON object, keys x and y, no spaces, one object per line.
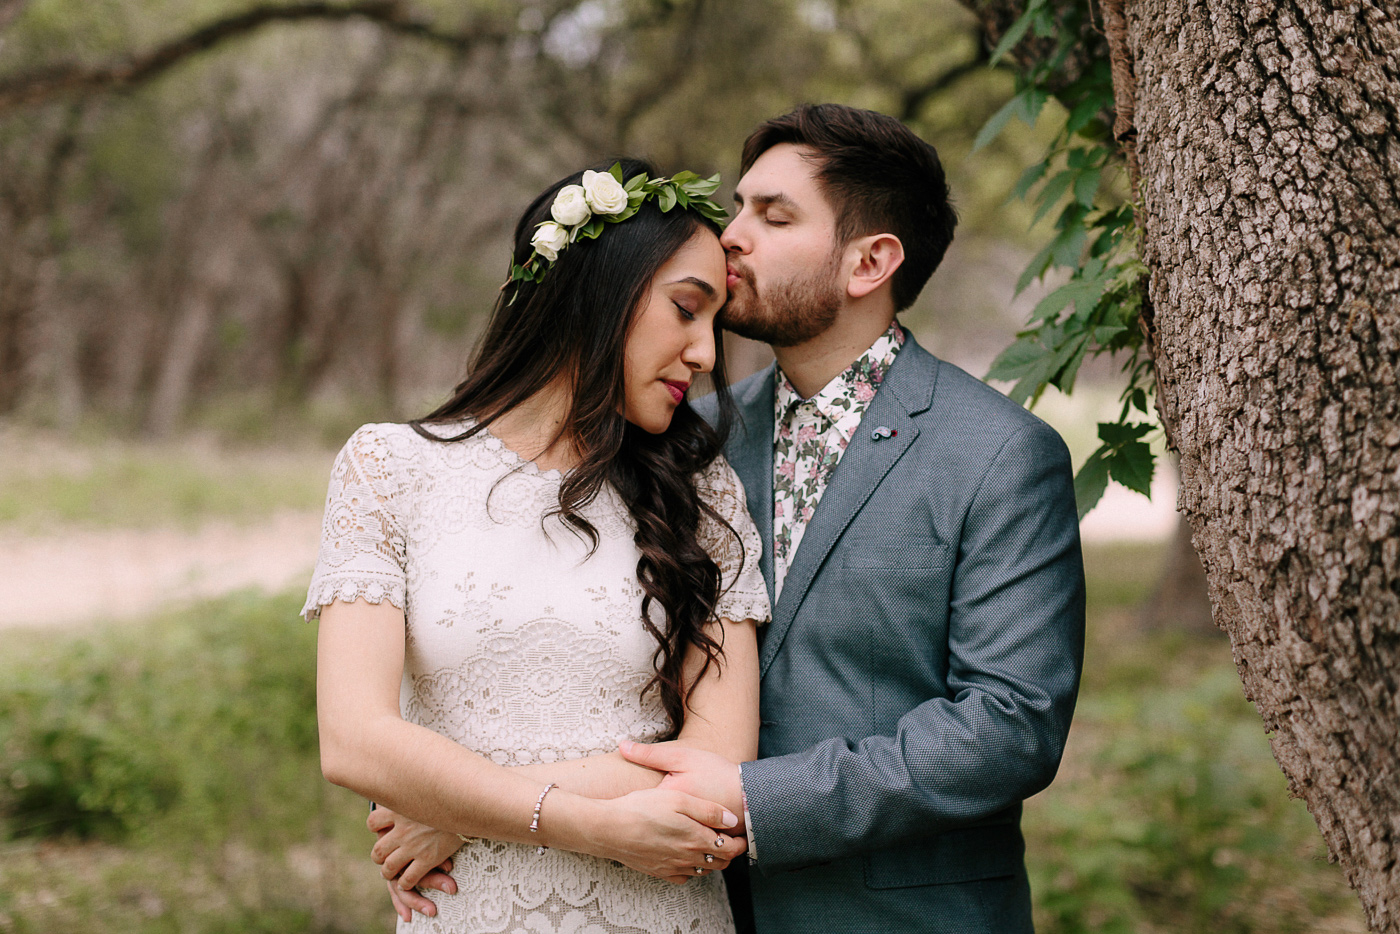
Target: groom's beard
{"x":789,"y":313}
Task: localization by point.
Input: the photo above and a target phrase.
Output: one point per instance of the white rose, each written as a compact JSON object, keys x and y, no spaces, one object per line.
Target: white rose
{"x":570,"y":205}
{"x":605,"y":194}
{"x":549,"y":240}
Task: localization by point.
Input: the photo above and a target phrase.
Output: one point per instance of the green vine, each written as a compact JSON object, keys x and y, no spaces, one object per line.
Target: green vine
{"x":1096,"y":310}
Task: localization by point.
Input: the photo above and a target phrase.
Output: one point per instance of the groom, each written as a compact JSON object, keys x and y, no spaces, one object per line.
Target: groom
{"x":921,"y":547}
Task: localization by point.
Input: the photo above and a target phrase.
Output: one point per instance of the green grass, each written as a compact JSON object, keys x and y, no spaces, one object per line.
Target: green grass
{"x":52,"y":480}
{"x":1170,"y":813}
{"x":164,"y":777}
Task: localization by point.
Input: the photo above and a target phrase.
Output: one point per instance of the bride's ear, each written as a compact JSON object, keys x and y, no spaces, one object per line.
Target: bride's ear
{"x":875,"y":257}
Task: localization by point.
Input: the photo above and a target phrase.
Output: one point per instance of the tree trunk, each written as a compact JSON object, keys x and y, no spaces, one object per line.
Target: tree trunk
{"x":1269,"y":146}
{"x":1181,"y":600}
{"x":181,"y":357}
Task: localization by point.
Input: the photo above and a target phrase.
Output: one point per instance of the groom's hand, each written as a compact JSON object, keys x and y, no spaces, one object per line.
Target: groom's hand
{"x":694,"y":771}
{"x":397,"y":838}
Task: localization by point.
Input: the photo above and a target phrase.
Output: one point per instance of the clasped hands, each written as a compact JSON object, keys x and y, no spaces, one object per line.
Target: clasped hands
{"x":664,"y":831}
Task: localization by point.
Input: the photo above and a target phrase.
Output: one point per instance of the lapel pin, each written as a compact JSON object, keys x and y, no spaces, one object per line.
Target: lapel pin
{"x":883,"y":432}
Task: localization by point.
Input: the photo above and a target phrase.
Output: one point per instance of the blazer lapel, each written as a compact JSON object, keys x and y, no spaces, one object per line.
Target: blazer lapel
{"x":750,"y":453}
{"x":906,"y":391}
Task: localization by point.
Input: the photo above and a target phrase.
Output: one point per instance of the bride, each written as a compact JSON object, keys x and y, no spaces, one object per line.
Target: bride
{"x":554,"y":561}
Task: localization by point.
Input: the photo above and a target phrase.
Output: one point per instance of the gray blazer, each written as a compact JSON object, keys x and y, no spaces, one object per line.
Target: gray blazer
{"x":921,"y":667}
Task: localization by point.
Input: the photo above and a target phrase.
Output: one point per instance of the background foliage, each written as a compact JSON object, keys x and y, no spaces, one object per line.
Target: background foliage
{"x":319,"y":210}
{"x":183,"y":751}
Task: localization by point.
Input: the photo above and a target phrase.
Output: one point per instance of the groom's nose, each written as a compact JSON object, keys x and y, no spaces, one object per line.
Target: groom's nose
{"x":735,"y":237}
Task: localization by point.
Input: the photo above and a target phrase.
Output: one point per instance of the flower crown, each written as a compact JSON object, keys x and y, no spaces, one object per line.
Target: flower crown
{"x":581,"y":211}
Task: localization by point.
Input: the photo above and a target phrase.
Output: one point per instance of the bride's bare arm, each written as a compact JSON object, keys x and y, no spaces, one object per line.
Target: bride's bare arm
{"x":722,"y":718}
{"x":367,"y":747}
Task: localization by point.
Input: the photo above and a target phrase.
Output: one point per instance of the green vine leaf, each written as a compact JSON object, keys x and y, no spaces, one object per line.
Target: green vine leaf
{"x":1018,"y":30}
{"x":1090,"y":483}
{"x":1095,"y":309}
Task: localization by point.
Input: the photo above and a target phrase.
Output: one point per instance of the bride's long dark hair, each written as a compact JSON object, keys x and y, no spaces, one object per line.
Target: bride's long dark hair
{"x":575,"y":324}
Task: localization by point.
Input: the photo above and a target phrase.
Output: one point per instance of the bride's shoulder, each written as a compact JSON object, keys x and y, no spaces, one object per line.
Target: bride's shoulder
{"x":392,"y":446}
{"x":402,"y":438}
{"x":720,"y":487}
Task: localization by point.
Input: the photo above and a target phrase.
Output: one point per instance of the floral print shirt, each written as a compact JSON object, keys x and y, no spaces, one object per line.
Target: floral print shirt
{"x":809,"y":437}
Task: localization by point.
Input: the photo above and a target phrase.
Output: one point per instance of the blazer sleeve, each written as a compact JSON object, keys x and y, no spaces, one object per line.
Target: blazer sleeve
{"x":1015,"y":642}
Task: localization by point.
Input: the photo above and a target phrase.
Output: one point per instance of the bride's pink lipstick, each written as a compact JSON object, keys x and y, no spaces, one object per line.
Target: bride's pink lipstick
{"x":677,"y":390}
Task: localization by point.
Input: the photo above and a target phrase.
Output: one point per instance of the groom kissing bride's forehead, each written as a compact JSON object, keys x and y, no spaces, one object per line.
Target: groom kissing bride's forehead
{"x":921,"y":549}
{"x":885,"y":662}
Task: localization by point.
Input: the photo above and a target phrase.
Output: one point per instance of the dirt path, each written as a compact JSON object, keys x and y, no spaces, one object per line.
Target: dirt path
{"x":87,"y":575}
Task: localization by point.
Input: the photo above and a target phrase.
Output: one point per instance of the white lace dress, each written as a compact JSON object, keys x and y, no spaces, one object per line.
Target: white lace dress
{"x":522,"y":648}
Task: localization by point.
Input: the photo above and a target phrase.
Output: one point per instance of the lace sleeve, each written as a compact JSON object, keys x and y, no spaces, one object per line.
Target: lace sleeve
{"x":744,"y":596}
{"x":363,"y":550}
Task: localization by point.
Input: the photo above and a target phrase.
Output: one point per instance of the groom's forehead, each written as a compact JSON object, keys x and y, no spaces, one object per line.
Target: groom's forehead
{"x":783,"y":171}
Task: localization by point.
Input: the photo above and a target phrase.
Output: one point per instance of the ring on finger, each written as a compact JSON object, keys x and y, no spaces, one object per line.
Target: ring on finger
{"x":719,"y":843}
{"x":709,"y":857}
{"x":699,"y":871}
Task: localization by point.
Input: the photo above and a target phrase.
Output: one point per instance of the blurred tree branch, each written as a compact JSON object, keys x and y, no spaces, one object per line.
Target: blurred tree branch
{"x":997,"y":16}
{"x":678,"y":64}
{"x":44,"y":84}
{"x":10,"y":11}
{"x":914,"y":99}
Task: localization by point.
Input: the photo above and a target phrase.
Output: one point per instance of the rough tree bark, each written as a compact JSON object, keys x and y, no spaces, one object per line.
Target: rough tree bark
{"x":1267,"y":135}
{"x":1269,"y":145}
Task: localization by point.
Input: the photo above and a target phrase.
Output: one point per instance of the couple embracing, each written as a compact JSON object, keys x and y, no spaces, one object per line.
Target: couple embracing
{"x":586,"y":644}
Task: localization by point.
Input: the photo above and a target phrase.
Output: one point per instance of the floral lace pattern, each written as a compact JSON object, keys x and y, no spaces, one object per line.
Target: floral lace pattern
{"x":521,"y":647}
{"x":809,"y":437}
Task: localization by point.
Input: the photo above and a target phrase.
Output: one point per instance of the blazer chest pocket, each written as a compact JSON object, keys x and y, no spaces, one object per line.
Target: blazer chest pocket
{"x":895,"y":554}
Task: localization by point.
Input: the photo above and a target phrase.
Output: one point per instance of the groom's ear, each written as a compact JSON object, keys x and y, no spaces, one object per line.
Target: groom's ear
{"x":875,"y":257}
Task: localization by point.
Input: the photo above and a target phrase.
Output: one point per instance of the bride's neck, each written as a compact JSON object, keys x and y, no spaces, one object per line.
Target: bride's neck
{"x":531,"y":429}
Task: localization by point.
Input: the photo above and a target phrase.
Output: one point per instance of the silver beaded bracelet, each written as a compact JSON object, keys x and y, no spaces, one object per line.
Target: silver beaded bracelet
{"x":535,"y":819}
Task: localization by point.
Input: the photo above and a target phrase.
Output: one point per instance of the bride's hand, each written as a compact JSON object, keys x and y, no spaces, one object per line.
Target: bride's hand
{"x":669,"y":834}
{"x":407,"y":851}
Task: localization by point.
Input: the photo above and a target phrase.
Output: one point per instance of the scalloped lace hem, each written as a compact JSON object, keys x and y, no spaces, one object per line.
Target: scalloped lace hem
{"x":348,"y":591}
{"x":738,"y":607}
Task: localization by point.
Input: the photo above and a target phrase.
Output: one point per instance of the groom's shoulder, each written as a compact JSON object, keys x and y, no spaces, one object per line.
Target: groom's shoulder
{"x":744,"y":393}
{"x":975,"y":417}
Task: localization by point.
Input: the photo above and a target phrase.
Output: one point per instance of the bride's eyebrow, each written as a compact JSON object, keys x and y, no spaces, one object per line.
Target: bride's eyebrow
{"x":699,"y":283}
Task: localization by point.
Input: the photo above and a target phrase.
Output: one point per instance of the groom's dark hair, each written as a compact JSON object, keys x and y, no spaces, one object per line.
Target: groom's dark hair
{"x":879,"y":177}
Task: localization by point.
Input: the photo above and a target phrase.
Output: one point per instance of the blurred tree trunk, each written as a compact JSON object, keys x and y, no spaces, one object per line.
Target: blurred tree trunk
{"x":183,"y":351}
{"x":1181,"y":600}
{"x":1268,"y":138}
{"x":10,"y":11}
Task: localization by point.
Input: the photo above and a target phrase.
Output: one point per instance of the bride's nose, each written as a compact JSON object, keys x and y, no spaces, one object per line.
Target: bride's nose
{"x":699,"y":354}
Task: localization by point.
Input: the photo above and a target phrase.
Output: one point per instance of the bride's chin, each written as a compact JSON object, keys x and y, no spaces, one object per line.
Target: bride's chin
{"x":657,"y":426}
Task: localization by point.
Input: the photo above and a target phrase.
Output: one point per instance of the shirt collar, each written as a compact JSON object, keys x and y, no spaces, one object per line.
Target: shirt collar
{"x":845,"y":399}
